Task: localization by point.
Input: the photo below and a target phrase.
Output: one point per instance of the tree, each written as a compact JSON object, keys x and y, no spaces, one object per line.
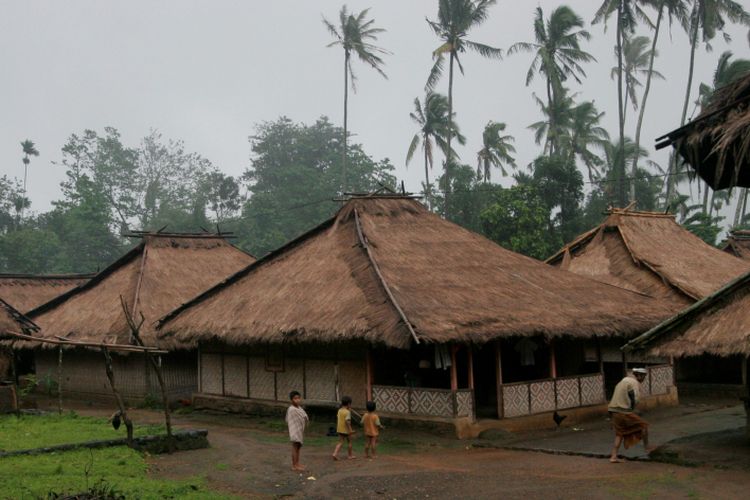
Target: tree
{"x":674,"y":10}
{"x":627,"y":14}
{"x":560,"y":184}
{"x":557,"y":52}
{"x":454,"y":21}
{"x":636,"y":56}
{"x":555,"y":126}
{"x":496,"y":151}
{"x":585,"y":133}
{"x":433,"y":121}
{"x":355,"y":34}
{"x":29,"y":149}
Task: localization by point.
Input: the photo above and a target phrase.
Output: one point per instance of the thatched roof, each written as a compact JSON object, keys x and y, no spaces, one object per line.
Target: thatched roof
{"x":717,"y":143}
{"x":159,"y":274}
{"x":29,"y":291}
{"x":12,"y":321}
{"x":718,"y":324}
{"x":738,"y":244}
{"x":386,"y":270}
{"x":652,"y":254}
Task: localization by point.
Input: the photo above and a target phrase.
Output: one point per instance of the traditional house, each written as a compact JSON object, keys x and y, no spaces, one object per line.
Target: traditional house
{"x":387,"y":301}
{"x":11,"y":322}
{"x":157,"y":275}
{"x":650,"y":253}
{"x":738,"y":244}
{"x":718,"y":325}
{"x":29,"y":291}
{"x":717,"y":143}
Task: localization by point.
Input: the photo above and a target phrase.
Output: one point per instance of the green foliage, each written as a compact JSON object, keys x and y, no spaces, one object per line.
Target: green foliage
{"x":560,"y":185}
{"x":519,"y":220}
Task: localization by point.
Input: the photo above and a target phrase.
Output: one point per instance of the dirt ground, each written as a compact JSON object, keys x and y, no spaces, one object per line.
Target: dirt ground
{"x":249,"y":457}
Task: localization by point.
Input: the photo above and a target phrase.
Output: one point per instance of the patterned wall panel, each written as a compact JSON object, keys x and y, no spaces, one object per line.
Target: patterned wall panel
{"x":567,"y":393}
{"x":661,"y":379}
{"x":235,"y":375}
{"x":542,"y":396}
{"x":320,"y":380}
{"x":515,"y":400}
{"x":592,"y":390}
{"x":291,"y":379}
{"x":353,"y":381}
{"x":262,"y":385}
{"x":211,"y":373}
{"x":434,"y":403}
{"x":465,"y":404}
{"x":645,"y":389}
{"x":391,"y":399}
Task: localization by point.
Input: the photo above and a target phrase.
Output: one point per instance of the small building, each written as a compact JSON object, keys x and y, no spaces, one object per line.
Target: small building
{"x":652,"y":254}
{"x":160,"y":273}
{"x":718,"y":325}
{"x":29,"y":291}
{"x":717,"y":143}
{"x":737,"y":243}
{"x":387,"y":301}
{"x":11,"y":322}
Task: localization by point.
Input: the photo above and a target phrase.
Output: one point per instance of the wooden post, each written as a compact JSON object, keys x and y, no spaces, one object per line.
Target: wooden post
{"x":368,"y":374}
{"x":14,"y":377}
{"x":552,"y":361}
{"x":745,"y":374}
{"x":499,"y":378}
{"x":59,"y":378}
{"x":454,"y":375}
{"x":470,"y":362}
{"x":118,"y":398}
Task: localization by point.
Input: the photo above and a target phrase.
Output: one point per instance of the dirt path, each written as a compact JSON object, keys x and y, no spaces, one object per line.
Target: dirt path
{"x":249,"y":458}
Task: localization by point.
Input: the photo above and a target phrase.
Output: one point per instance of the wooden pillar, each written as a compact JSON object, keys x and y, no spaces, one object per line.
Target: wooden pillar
{"x":454,"y":375}
{"x":552,"y":360}
{"x":745,"y":374}
{"x":368,"y":369}
{"x":470,"y":363}
{"x":59,"y":378}
{"x":499,"y":378}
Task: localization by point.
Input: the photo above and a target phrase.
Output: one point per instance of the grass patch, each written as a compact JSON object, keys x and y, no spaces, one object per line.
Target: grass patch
{"x":36,"y":431}
{"x":120,"y":468}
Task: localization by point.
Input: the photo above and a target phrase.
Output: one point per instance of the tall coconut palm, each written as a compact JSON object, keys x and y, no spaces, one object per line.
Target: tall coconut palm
{"x":455,"y":19}
{"x":496,"y":151}
{"x":434,"y":124}
{"x":586,"y":133}
{"x":554,"y":128}
{"x":707,"y":18}
{"x":628,"y":12}
{"x":636,"y":57}
{"x":29,"y":149}
{"x":674,"y":10}
{"x":356,"y":34}
{"x":557,"y":51}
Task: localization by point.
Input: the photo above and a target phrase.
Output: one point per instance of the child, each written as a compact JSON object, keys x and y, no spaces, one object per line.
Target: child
{"x":371,"y":424}
{"x":296,"y":419}
{"x":344,"y":427}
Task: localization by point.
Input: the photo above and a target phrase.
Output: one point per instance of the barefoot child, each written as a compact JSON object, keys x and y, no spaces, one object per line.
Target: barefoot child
{"x":371,"y":424}
{"x":344,"y":427}
{"x":296,"y":419}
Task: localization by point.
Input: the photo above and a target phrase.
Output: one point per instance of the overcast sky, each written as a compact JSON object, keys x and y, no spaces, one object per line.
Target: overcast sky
{"x":207,"y":71}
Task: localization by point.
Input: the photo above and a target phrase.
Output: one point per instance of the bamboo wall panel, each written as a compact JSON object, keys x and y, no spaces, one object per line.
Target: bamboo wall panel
{"x":262,"y":383}
{"x":211,"y":373}
{"x":235,"y":375}
{"x":320,"y":384}
{"x":542,"y":396}
{"x":464,"y":403}
{"x":391,"y":399}
{"x":432,"y":403}
{"x":568,"y":395}
{"x":592,"y":390}
{"x":516,"y":400}
{"x":291,"y":379}
{"x":353,"y":381}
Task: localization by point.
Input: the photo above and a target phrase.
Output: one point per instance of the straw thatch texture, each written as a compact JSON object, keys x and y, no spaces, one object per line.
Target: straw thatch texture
{"x":12,"y":321}
{"x":718,"y":325}
{"x":403,"y":264}
{"x":738,"y":244}
{"x":652,"y":254}
{"x":159,"y":274}
{"x":28,"y":291}
{"x":717,"y":143}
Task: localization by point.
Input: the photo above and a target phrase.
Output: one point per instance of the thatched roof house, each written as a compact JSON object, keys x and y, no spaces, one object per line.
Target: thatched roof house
{"x":29,"y":291}
{"x":652,"y":254}
{"x":12,"y":321}
{"x":385,"y":270}
{"x":718,"y":325}
{"x":738,"y":244}
{"x":717,"y":143}
{"x":157,"y":275}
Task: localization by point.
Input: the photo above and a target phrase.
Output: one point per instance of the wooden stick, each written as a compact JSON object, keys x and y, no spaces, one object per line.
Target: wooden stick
{"x":59,"y":379}
{"x":63,"y":341}
{"x":118,"y":398}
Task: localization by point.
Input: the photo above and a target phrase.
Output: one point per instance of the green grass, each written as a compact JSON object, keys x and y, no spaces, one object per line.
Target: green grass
{"x":35,"y":431}
{"x":122,"y":469}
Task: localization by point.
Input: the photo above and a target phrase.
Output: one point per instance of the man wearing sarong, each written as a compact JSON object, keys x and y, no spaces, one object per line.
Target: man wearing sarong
{"x":629,"y":427}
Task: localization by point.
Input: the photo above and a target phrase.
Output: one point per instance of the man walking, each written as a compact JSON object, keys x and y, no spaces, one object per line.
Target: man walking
{"x":629,"y":427}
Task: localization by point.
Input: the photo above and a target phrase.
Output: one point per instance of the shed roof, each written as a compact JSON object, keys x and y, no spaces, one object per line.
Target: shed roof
{"x":386,"y":270}
{"x":29,"y":291}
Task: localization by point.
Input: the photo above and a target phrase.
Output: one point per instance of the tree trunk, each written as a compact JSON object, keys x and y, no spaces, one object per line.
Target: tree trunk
{"x":346,"y":111}
{"x":620,"y":111}
{"x":551,"y":111}
{"x":705,"y":199}
{"x":426,"y":174}
{"x":738,"y":209}
{"x":449,"y":155}
{"x":643,"y":103}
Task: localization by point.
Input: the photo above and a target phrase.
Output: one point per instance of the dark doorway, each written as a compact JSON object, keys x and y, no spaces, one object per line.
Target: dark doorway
{"x":485,"y":381}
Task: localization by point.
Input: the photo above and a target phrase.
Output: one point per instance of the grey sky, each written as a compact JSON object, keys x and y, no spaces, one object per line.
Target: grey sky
{"x":206,"y":71}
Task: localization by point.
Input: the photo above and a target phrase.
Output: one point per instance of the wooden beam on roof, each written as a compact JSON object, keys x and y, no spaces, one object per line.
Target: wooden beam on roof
{"x":76,"y":343}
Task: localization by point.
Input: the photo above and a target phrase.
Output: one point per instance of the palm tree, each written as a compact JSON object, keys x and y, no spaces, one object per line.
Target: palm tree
{"x":357,"y":35}
{"x":432,"y":118}
{"x":496,"y":150}
{"x":674,"y":10}
{"x":455,"y":19}
{"x":586,"y":132}
{"x":707,"y":17}
{"x":557,"y":52}
{"x":29,"y":149}
{"x":628,"y":12}
{"x":558,"y":118}
{"x":636,"y":57}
